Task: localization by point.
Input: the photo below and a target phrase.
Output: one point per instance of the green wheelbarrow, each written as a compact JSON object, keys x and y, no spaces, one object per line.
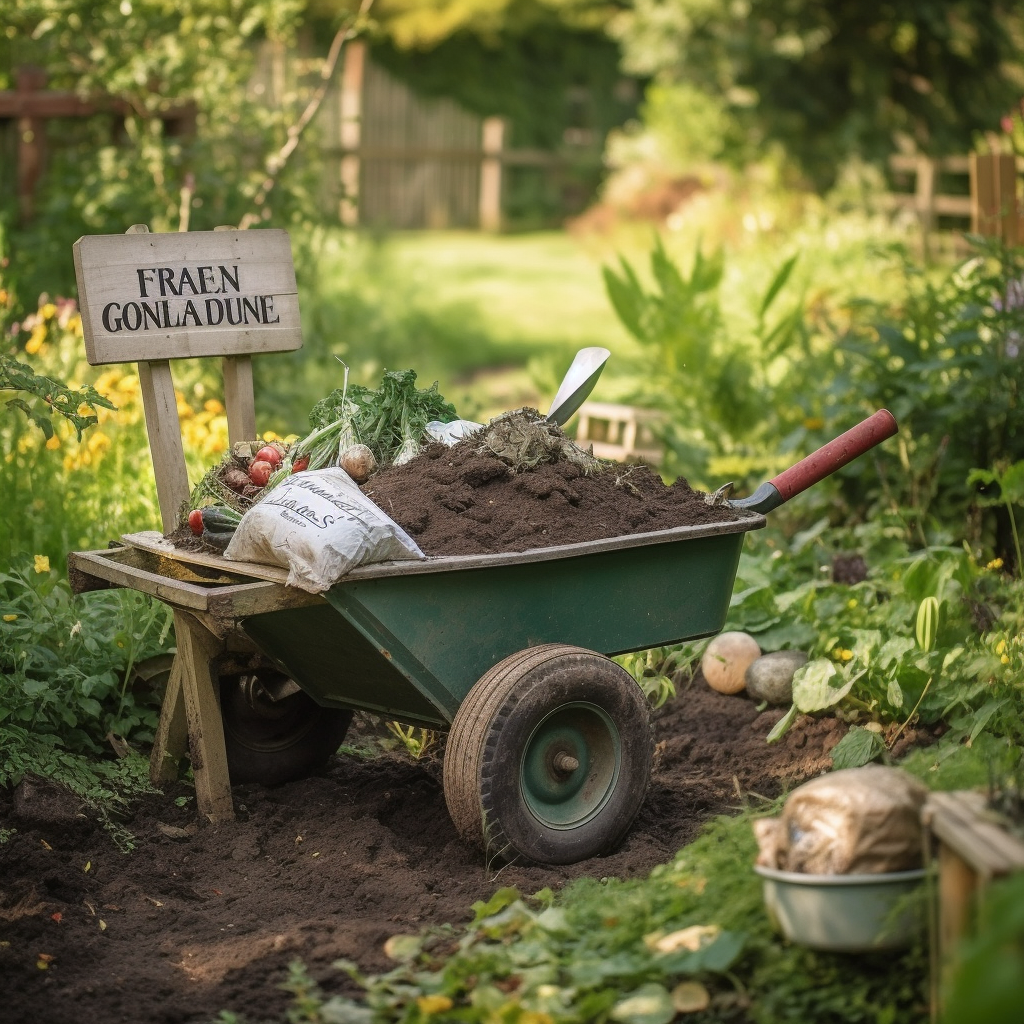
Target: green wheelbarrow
{"x":550,"y":746}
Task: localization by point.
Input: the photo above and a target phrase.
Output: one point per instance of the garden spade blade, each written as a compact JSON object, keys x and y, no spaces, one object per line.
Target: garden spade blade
{"x":578,"y":382}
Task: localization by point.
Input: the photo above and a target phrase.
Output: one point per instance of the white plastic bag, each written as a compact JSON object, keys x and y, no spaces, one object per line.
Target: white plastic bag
{"x":318,"y":525}
{"x":452,"y":433}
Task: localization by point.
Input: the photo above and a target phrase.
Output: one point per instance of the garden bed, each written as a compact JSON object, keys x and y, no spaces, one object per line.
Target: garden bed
{"x":200,"y":919}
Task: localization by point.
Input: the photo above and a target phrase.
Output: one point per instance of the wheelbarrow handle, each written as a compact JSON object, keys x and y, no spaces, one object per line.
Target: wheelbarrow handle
{"x":820,"y":464}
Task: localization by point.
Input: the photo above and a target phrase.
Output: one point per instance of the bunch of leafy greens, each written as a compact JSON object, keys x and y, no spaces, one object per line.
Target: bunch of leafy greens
{"x":391,"y":420}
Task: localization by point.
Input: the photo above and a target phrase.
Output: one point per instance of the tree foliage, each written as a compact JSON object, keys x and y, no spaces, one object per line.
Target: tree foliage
{"x":138,"y":61}
{"x":827,"y":80}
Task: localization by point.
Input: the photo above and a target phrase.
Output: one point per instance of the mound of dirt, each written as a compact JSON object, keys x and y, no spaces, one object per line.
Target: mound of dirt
{"x":487,"y":496}
{"x":200,"y":918}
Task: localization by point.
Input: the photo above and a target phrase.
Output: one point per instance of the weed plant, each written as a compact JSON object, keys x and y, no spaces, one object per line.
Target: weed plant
{"x":694,"y":935}
{"x":66,"y":668}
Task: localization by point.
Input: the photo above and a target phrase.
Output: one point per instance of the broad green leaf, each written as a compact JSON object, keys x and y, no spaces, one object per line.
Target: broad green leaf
{"x":499,"y":901}
{"x":893,"y":650}
{"x":984,"y":714}
{"x":778,"y":283}
{"x":817,"y":686}
{"x":1013,"y":483}
{"x":893,"y":694}
{"x":649,"y":1004}
{"x":858,"y":747}
{"x":553,"y":920}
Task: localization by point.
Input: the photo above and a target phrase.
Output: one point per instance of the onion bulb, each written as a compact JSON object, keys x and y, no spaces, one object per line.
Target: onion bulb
{"x":358,"y":462}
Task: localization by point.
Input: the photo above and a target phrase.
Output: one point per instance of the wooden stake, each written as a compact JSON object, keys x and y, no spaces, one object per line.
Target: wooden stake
{"x":196,"y":648}
{"x":170,"y":744}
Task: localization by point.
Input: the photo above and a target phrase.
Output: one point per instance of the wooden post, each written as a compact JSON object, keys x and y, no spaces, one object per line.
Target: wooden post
{"x":994,"y":196}
{"x":31,"y":140}
{"x":924,"y":202}
{"x":351,"y":130}
{"x":239,"y":398}
{"x":490,"y":174}
{"x":170,"y":744}
{"x":197,"y":646}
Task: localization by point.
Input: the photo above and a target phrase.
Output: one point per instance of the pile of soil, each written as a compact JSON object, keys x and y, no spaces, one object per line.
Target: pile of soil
{"x":203,"y":918}
{"x":460,"y":501}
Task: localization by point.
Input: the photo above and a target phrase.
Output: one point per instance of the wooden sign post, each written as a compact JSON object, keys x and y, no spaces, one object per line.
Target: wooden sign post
{"x":150,"y":298}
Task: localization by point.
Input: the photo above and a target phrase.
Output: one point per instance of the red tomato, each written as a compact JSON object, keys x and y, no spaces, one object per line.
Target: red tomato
{"x":300,"y":464}
{"x":268,"y":453}
{"x":259,"y":472}
{"x":195,"y":521}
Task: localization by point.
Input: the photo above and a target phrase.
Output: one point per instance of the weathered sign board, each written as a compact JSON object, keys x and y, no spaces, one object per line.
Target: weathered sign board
{"x":147,"y":296}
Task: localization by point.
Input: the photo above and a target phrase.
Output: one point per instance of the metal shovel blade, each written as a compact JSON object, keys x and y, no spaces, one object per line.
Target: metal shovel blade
{"x":577,"y":384}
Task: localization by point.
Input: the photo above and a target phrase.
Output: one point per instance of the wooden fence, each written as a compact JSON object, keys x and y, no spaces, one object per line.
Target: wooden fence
{"x":985,"y":203}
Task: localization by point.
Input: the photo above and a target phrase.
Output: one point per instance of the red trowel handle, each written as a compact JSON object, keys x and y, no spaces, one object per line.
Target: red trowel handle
{"x":827,"y":459}
{"x":832,"y":456}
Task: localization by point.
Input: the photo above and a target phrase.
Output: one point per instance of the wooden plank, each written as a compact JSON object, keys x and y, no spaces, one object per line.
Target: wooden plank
{"x":171,"y":591}
{"x":171,"y":741}
{"x":984,"y":213}
{"x":1005,"y":169}
{"x":350,"y":129}
{"x":175,"y":295}
{"x":164,"y":429}
{"x":196,"y":649}
{"x":961,"y":821}
{"x":952,"y":206}
{"x":493,"y":134}
{"x":239,"y":398}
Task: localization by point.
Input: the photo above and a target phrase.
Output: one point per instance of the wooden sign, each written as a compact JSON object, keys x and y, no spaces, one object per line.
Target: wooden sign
{"x":178,"y":295}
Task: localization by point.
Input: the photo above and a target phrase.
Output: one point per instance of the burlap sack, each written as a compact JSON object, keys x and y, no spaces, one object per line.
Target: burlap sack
{"x":854,"y":821}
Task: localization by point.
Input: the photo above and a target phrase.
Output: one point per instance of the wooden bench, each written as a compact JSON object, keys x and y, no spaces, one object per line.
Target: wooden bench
{"x":619,"y":432}
{"x":152,"y":298}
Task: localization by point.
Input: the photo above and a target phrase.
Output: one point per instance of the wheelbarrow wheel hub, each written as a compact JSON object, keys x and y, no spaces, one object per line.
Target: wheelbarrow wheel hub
{"x":549,"y":756}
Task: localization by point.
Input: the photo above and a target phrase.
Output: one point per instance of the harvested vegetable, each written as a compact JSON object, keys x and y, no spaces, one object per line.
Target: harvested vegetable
{"x":358,"y":462}
{"x":391,"y":421}
{"x":195,"y":521}
{"x":268,"y":453}
{"x":259,"y":472}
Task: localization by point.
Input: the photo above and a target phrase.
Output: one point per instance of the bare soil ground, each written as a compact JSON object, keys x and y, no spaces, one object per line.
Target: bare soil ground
{"x":203,"y":918}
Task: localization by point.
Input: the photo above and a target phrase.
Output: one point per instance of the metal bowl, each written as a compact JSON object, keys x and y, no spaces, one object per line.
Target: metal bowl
{"x":845,"y":913}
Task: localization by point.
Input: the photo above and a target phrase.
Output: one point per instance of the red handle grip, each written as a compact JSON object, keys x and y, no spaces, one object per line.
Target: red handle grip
{"x":830,"y":457}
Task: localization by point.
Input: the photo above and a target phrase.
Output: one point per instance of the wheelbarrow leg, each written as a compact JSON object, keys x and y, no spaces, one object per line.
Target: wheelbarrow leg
{"x":191,"y":687}
{"x":170,"y":744}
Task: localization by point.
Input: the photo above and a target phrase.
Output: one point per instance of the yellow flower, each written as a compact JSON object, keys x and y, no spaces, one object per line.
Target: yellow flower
{"x":212,"y":405}
{"x":813,"y":423}
{"x":54,"y":443}
{"x":49,"y":311}
{"x":42,"y":563}
{"x":1005,"y":659}
{"x":270,"y":435}
{"x":852,"y":603}
{"x":35,"y":341}
{"x":3,"y":296}
{"x":10,"y":618}
{"x":433,"y":1004}
{"x":1000,"y":647}
{"x":107,"y":381}
{"x":846,"y":655}
{"x":98,"y":441}
{"x":996,"y":563}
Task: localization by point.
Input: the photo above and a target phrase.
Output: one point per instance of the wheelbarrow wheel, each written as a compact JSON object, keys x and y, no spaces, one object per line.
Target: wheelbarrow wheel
{"x":549,"y":756}
{"x":273,"y":731}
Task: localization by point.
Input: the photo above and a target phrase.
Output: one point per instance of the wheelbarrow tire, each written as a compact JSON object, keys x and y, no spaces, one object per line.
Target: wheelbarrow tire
{"x":273,"y":742}
{"x":549,"y":757}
